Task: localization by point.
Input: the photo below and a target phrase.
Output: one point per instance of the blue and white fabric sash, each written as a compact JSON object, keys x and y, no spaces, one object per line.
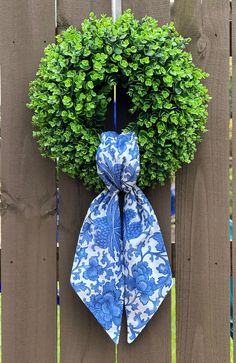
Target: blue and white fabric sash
{"x":121,"y":264}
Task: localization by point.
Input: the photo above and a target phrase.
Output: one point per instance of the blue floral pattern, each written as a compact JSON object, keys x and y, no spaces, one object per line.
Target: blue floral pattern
{"x":117,"y":266}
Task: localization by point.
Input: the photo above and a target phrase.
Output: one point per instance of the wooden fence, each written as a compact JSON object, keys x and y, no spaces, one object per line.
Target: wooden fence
{"x":29,"y":263}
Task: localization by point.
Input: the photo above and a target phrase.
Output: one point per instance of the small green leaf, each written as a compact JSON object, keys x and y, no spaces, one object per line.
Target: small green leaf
{"x":90,"y":85}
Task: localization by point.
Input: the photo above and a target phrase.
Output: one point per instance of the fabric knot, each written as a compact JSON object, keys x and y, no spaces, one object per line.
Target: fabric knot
{"x":121,"y":265}
{"x":118,"y":163}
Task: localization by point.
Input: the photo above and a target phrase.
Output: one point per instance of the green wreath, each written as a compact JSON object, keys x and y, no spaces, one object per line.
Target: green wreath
{"x":71,"y":93}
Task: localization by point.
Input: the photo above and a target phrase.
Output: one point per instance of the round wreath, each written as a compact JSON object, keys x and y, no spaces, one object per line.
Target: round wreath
{"x":72,"y":90}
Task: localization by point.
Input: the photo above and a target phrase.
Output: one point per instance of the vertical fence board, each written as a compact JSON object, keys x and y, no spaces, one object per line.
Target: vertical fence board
{"x":202,"y":231}
{"x":82,"y":338}
{"x":233,"y":42}
{"x":154,"y":343}
{"x":74,"y":12}
{"x":159,"y":9}
{"x":28,"y":193}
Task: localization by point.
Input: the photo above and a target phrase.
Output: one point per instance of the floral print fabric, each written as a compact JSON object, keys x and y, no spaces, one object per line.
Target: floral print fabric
{"x":121,"y":264}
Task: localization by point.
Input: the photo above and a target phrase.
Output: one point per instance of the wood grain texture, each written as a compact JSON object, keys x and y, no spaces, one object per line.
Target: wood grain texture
{"x":202,"y":216}
{"x":159,"y":9}
{"x":82,"y":338}
{"x":28,"y":193}
{"x":74,"y":12}
{"x":154,"y":343}
{"x":233,"y":42}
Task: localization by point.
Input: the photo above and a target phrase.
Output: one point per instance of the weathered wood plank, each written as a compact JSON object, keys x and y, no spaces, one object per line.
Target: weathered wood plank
{"x":74,"y":12}
{"x":28,"y":193}
{"x":154,"y":343}
{"x":82,"y":338}
{"x":159,"y":9}
{"x":202,"y":230}
{"x":233,"y":42}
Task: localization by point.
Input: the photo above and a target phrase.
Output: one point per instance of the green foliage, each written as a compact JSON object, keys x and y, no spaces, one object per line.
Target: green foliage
{"x":70,"y":95}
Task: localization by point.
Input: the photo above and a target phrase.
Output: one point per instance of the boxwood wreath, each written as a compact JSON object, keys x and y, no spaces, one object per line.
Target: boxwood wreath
{"x":72,"y":89}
